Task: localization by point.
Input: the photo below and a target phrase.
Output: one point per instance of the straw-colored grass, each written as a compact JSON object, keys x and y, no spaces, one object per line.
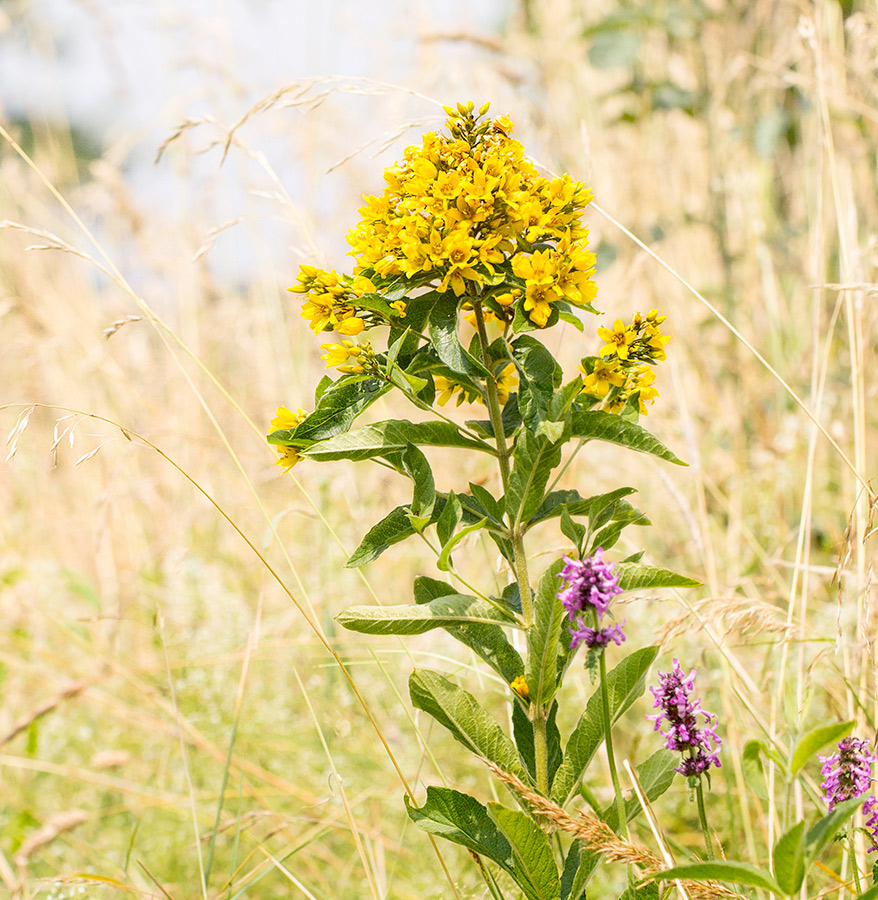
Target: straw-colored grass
{"x":181,"y":716}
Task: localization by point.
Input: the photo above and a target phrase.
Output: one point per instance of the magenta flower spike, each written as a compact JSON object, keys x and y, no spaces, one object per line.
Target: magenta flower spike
{"x":680,"y":713}
{"x":589,"y":585}
{"x":848,"y":774}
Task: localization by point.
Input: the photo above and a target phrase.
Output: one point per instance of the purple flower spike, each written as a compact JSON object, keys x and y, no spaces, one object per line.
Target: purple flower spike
{"x":596,"y":639}
{"x":680,"y":713}
{"x":848,"y":775}
{"x":590,"y":582}
{"x":848,"y":772}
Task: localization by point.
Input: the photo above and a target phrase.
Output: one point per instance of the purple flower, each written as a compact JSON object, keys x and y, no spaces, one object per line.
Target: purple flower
{"x":590,"y":583}
{"x":870,"y":809}
{"x":848,"y":775}
{"x":848,"y":772}
{"x":701,"y":744}
{"x":596,"y":638}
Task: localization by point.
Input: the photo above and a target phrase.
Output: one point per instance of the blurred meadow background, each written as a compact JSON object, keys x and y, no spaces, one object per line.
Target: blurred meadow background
{"x":175,"y":720}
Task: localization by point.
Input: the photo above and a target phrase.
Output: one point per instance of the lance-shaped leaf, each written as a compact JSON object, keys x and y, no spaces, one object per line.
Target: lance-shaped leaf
{"x":625,"y":683}
{"x":721,"y":870}
{"x":487,"y":641}
{"x":825,"y":830}
{"x":339,"y":404}
{"x":534,"y":460}
{"x":577,"y":505}
{"x":462,"y":819}
{"x":442,"y":327}
{"x":808,"y":745}
{"x":462,"y":715}
{"x":453,"y":609}
{"x":789,"y":859}
{"x":544,"y":639}
{"x":396,"y":526}
{"x":635,"y":577}
{"x":533,"y":865}
{"x":602,"y":426}
{"x":417,"y":467}
{"x":391,"y":436}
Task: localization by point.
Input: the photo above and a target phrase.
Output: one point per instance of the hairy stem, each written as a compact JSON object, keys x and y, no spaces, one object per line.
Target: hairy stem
{"x":702,"y":816}
{"x":608,"y":738}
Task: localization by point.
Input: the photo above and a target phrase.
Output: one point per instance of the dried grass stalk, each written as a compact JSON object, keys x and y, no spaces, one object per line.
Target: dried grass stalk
{"x":599,"y":837}
{"x":54,"y":826}
{"x":742,"y":616}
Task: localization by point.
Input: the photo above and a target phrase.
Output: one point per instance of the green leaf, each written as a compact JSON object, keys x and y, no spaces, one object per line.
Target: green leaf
{"x":487,"y":641}
{"x":468,"y":723}
{"x":534,"y":460}
{"x":491,"y":506}
{"x":642,"y":892}
{"x":869,"y":894}
{"x":575,"y":876}
{"x":625,"y":683}
{"x":826,"y":829}
{"x":544,"y":639}
{"x":808,"y":745}
{"x":539,"y":375}
{"x":462,"y":819}
{"x":442,"y":326}
{"x":393,"y":528}
{"x":602,"y":426}
{"x":754,"y":772}
{"x":523,"y":732}
{"x":444,"y":561}
{"x":393,"y":435}
{"x":451,"y":517}
{"x":338,"y":406}
{"x":417,"y":467}
{"x":789,"y":859}
{"x":533,"y":863}
{"x":452,"y":609}
{"x":577,"y":505}
{"x":635,"y":577}
{"x":721,"y":870}
{"x":656,"y":775}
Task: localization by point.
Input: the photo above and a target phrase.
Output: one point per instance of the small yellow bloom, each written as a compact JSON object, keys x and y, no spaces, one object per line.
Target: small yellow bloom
{"x":286,"y":418}
{"x":618,"y":340}
{"x":289,"y":456}
{"x":339,"y":354}
{"x":520,"y":687}
{"x":607,"y":373}
{"x":399,"y":306}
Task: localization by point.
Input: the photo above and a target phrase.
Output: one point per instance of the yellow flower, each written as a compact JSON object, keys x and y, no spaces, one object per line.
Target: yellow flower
{"x":606,"y":374}
{"x":339,"y":354}
{"x":286,"y":418}
{"x":520,"y":687}
{"x":399,"y":306}
{"x":289,"y":456}
{"x":507,"y":380}
{"x":618,"y":340}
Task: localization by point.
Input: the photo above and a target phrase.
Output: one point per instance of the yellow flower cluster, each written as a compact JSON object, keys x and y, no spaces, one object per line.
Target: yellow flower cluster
{"x":348,"y":357}
{"x":331,"y":299}
{"x":463,"y":212}
{"x":506,"y":382}
{"x":286,"y":418}
{"x":623,"y":367}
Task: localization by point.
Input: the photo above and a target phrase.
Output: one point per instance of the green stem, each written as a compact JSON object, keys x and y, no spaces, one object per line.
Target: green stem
{"x":608,"y":739}
{"x":854,"y":868}
{"x":702,"y":816}
{"x":504,"y":452}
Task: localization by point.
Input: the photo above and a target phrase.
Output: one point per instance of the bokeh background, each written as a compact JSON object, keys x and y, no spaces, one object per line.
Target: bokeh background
{"x":171,"y":718}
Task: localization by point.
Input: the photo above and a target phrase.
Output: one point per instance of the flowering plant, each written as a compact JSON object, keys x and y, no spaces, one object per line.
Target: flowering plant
{"x":468,"y":234}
